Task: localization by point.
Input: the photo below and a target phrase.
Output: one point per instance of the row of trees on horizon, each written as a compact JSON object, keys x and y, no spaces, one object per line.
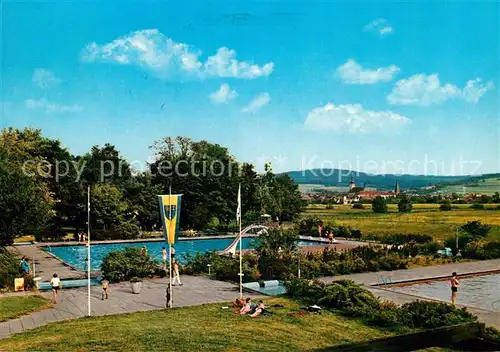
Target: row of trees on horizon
{"x":36,"y":199}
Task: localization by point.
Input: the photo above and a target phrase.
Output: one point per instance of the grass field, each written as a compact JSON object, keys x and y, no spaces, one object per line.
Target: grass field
{"x":489,"y":187}
{"x":15,"y":306}
{"x":424,"y":219}
{"x":201,"y":328}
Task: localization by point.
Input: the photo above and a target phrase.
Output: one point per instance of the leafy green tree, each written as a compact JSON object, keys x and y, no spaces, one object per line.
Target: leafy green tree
{"x":379,"y":205}
{"x":404,"y":205}
{"x":142,"y":199}
{"x":107,"y":206}
{"x":277,"y":250}
{"x":476,"y":229}
{"x":25,"y":205}
{"x":496,"y":197}
{"x":445,"y":205}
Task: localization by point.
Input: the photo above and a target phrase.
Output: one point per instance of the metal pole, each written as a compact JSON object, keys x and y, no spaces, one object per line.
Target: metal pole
{"x":88,"y":246}
{"x":170,"y":303}
{"x":457,"y":240}
{"x":170,"y":275}
{"x":241,"y":267}
{"x":299,"y":264}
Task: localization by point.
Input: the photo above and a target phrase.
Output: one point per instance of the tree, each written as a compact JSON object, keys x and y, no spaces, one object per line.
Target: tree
{"x":379,"y":205}
{"x":142,"y":199}
{"x":496,"y":198}
{"x":446,"y":205}
{"x":276,"y":251}
{"x":404,"y":205}
{"x":24,"y":204}
{"x":108,"y":207}
{"x":476,"y":229}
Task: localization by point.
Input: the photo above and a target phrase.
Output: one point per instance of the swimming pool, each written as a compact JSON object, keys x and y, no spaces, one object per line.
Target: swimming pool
{"x":478,"y":291}
{"x":271,"y":288}
{"x":76,"y":256}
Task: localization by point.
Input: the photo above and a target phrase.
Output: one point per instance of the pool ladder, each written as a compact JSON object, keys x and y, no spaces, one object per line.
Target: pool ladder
{"x":384,"y":280}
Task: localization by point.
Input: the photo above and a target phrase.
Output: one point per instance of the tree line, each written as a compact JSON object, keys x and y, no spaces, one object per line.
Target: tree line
{"x":43,"y":188}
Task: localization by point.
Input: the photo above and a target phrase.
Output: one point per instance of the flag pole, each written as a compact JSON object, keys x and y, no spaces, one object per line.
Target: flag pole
{"x":241,"y":257}
{"x":88,"y":247}
{"x":170,"y":303}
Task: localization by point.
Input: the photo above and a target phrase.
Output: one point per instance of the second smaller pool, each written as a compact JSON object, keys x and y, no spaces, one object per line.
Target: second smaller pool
{"x":272,"y":288}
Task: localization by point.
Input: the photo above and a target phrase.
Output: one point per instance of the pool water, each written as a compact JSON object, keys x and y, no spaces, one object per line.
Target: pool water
{"x":272,"y":288}
{"x":76,"y":255}
{"x":478,"y":291}
{"x":69,"y":284}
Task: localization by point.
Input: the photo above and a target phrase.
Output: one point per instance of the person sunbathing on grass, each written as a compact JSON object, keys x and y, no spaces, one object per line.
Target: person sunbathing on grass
{"x":238,"y":304}
{"x":258,"y":311}
{"x":248,"y":307}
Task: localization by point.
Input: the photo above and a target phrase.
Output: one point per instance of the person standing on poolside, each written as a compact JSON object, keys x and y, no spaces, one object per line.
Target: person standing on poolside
{"x":454,"y":287}
{"x":164,"y":257}
{"x":177,"y":277}
{"x":56,"y":285}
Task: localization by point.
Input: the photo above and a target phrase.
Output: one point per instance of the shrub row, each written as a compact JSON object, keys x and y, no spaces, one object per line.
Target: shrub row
{"x":349,"y":299}
{"x":123,"y":265}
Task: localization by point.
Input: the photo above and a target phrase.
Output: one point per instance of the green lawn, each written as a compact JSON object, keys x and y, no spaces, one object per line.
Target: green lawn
{"x":15,"y":306}
{"x":424,"y":219}
{"x":201,"y":328}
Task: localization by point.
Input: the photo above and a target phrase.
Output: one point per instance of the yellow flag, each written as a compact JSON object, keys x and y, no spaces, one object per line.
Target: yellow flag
{"x":170,"y":210}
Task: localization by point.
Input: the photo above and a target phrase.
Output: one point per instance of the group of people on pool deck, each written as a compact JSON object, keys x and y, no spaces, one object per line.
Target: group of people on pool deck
{"x":248,"y":307}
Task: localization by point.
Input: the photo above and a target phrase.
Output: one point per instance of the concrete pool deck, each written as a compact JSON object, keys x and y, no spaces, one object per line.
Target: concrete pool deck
{"x":73,"y":303}
{"x":374,"y":282}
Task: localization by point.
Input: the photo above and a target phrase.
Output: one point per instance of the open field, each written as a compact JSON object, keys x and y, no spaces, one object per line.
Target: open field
{"x":15,"y":306}
{"x":200,"y":328}
{"x":424,"y":219}
{"x":489,"y":187}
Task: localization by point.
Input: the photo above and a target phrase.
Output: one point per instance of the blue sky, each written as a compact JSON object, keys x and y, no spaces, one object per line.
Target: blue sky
{"x":377,"y":87}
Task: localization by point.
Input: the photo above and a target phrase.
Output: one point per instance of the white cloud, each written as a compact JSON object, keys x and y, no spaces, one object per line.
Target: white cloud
{"x":353,"y":73}
{"x":351,"y":118}
{"x":381,"y":26}
{"x":45,"y":78}
{"x":152,"y":50}
{"x":426,"y":90}
{"x":223,"y":95}
{"x":258,"y":102}
{"x":43,"y":104}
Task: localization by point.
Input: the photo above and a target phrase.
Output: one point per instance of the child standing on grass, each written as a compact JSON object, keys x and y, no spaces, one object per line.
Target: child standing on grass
{"x":105,"y":285}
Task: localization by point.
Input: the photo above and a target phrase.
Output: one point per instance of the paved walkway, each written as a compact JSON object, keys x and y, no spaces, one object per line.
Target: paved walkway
{"x":74,"y":302}
{"x":489,"y":317}
{"x":46,"y":264}
{"x":420,"y":273}
{"x":424,"y":273}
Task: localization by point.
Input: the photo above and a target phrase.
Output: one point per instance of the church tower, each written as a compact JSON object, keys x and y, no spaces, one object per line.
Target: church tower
{"x":352,"y":184}
{"x":396,"y":188}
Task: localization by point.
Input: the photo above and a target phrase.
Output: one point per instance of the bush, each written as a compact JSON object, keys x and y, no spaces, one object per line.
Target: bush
{"x":477,"y":206}
{"x":125,"y":264}
{"x":476,"y":229}
{"x":9,"y":269}
{"x":404,"y":205}
{"x":429,"y":315}
{"x":127,"y":231}
{"x":445,"y":206}
{"x":379,"y":205}
{"x":358,"y":206}
{"x":352,"y":300}
{"x":308,"y":226}
{"x":400,"y":238}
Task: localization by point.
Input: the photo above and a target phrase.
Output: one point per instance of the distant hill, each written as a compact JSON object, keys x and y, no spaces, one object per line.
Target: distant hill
{"x":486,"y":184}
{"x":341,"y":178}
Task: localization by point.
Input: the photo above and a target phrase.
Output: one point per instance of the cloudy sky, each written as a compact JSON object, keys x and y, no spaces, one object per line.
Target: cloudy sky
{"x":372,"y":86}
